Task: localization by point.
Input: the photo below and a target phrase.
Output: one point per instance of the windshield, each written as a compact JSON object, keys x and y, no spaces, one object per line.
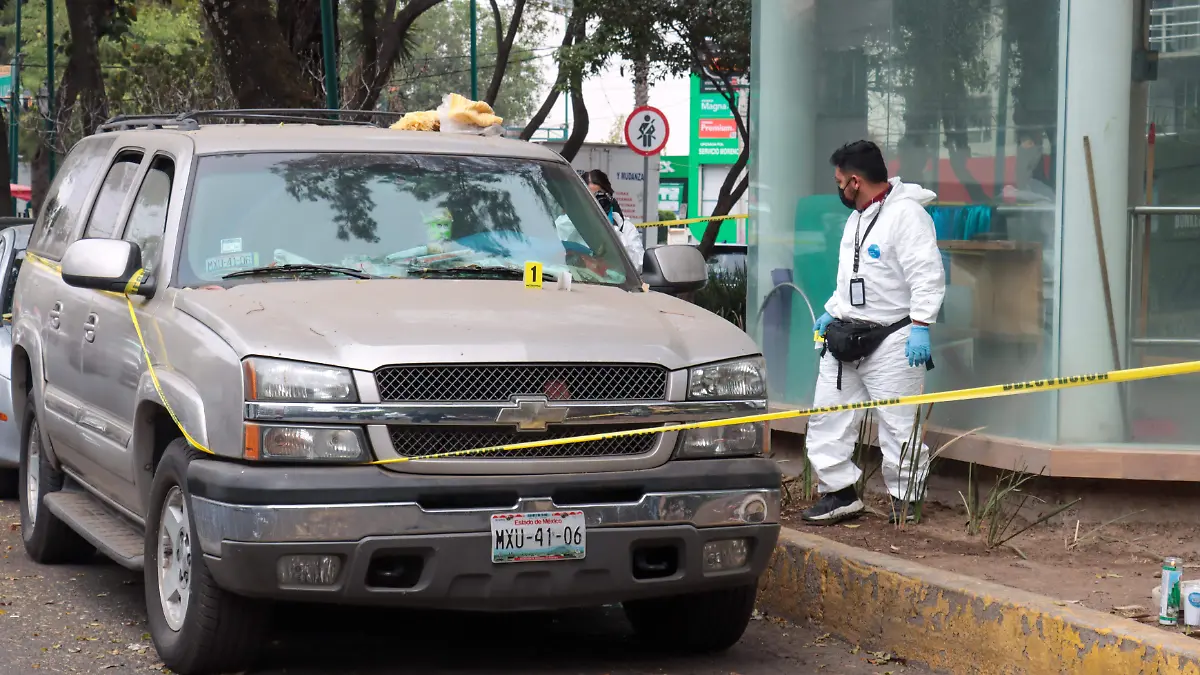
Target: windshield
{"x":395,"y":215}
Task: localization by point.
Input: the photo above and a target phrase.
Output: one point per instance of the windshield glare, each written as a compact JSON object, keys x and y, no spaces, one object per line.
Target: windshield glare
{"x":394,"y":215}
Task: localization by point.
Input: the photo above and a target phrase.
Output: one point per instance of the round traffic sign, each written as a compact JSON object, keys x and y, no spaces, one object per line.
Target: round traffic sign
{"x":646,"y":130}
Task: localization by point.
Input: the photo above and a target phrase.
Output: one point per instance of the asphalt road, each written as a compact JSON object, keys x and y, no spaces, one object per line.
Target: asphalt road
{"x":90,"y":619}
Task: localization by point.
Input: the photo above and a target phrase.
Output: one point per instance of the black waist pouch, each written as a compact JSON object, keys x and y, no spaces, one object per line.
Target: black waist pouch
{"x":853,"y":341}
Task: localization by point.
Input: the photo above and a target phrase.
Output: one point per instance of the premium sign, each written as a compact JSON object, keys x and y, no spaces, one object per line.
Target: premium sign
{"x":718,"y":129}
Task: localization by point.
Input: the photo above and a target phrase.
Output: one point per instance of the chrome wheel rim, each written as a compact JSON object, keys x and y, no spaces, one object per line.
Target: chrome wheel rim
{"x":174,"y":559}
{"x":33,"y":472}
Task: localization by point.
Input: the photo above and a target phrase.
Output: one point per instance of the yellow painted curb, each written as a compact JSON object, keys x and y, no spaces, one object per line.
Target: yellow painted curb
{"x":957,"y":623}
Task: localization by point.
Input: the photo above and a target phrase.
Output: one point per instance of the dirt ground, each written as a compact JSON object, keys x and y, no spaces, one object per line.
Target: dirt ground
{"x":1112,"y":568}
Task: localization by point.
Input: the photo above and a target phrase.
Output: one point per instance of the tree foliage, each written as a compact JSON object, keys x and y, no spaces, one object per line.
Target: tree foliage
{"x":439,"y":59}
{"x":709,"y":38}
{"x":165,"y":56}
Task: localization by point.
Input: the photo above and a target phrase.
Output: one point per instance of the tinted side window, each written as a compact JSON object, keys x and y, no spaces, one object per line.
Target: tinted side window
{"x":148,"y":217}
{"x":117,"y":184}
{"x":61,"y":217}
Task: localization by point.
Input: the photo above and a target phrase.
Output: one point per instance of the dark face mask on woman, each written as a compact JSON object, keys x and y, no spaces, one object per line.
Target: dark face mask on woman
{"x":604,"y":200}
{"x":849,"y":202}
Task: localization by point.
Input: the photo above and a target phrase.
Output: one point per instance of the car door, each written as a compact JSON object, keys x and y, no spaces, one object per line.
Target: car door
{"x":94,"y":432}
{"x":112,"y":354}
{"x":51,"y":307}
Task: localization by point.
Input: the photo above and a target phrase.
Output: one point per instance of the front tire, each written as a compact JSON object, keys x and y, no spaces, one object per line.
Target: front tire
{"x":700,"y":623}
{"x":47,"y":539}
{"x":197,"y":627}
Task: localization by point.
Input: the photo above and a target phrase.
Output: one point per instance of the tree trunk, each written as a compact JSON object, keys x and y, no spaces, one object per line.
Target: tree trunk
{"x":641,"y":82}
{"x":375,"y":65}
{"x":732,"y":189}
{"x":261,"y":68}
{"x":300,"y":23}
{"x":504,"y":45}
{"x":581,"y":122}
{"x":5,"y":177}
{"x":579,"y":127}
{"x":83,"y":66}
{"x":560,"y":81}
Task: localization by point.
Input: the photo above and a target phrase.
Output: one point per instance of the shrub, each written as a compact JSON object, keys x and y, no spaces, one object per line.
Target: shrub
{"x":725,"y":295}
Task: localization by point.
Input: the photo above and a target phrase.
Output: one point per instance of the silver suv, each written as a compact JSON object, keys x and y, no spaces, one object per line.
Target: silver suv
{"x":316,"y":310}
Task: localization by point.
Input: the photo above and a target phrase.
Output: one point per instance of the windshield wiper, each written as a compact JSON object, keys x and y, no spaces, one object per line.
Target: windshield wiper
{"x":468,"y":270}
{"x":298,"y":269}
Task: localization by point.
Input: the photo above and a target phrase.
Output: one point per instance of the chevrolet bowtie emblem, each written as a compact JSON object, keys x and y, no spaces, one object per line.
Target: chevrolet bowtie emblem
{"x":531,"y":414}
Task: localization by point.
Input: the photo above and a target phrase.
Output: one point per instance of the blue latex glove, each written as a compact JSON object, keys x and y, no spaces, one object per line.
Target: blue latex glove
{"x":918,"y":350}
{"x":823,"y":323}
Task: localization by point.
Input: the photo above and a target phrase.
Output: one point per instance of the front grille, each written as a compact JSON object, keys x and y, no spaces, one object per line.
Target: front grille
{"x":419,"y":441}
{"x":500,"y":383}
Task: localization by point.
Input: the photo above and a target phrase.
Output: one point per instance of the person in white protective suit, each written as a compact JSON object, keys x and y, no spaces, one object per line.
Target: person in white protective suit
{"x":890,"y":285}
{"x":627,"y":232}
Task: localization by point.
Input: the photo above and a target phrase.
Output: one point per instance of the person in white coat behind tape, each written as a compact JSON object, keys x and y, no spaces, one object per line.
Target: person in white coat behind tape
{"x":627,"y":232}
{"x":890,"y":285}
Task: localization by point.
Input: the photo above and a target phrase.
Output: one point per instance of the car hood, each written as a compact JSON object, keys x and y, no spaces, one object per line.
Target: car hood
{"x":371,"y":323}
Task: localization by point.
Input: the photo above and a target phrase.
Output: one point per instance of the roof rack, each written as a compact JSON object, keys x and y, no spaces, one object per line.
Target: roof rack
{"x":129,"y":122}
{"x":190,"y":121}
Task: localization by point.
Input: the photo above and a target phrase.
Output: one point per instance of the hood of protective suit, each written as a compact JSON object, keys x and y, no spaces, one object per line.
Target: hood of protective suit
{"x":902,"y":190}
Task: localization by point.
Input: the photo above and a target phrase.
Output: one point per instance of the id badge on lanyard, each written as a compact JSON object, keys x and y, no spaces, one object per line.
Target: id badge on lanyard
{"x":858,"y":292}
{"x":858,"y":286}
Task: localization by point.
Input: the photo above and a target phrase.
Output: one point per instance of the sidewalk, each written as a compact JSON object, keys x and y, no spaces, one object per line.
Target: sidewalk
{"x":956,"y":623}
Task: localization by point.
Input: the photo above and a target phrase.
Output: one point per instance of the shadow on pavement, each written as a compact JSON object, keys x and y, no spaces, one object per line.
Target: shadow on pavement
{"x":312,"y":639}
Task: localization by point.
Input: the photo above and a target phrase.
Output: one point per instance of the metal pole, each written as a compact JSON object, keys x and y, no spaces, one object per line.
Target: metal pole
{"x":14,"y":107}
{"x":51,"y":141}
{"x":329,"y":55}
{"x":474,"y":56}
{"x":645,"y":202}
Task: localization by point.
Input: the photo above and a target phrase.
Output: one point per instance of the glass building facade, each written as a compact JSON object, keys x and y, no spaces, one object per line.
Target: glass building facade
{"x":988,"y":103}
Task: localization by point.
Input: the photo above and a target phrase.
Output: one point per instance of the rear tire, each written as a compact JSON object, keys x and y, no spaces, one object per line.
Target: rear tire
{"x":47,"y":539}
{"x":197,"y":627}
{"x":700,"y":623}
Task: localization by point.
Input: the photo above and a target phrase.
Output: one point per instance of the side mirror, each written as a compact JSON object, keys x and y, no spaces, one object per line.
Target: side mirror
{"x":674,"y":269}
{"x":104,"y":265}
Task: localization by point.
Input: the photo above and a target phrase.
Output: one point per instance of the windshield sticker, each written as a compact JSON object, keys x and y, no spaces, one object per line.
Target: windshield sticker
{"x":231,"y":262}
{"x":231,"y":246}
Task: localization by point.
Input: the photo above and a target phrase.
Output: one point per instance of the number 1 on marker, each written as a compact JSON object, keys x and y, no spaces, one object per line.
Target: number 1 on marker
{"x":533,"y":275}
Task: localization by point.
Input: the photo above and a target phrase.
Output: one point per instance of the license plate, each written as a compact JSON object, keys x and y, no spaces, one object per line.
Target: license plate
{"x":528,"y":537}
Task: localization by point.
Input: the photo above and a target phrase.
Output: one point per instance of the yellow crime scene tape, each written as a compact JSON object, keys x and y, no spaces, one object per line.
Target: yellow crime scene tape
{"x":990,"y":391}
{"x":689,"y":221}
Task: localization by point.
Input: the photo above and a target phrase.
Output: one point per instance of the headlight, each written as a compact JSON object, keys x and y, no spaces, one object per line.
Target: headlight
{"x":279,"y":380}
{"x":733,"y":440}
{"x":746,"y":378}
{"x":319,"y":444}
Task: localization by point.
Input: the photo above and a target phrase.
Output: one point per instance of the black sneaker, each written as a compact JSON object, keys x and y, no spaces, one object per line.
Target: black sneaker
{"x":901,"y":511}
{"x":834,"y":507}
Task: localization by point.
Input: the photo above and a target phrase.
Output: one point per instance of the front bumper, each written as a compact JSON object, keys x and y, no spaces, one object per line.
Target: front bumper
{"x":437,"y":529}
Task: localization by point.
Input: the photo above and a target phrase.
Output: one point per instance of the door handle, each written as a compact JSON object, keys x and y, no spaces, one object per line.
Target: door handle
{"x":56,"y":315}
{"x":94,"y":424}
{"x":89,"y":327}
